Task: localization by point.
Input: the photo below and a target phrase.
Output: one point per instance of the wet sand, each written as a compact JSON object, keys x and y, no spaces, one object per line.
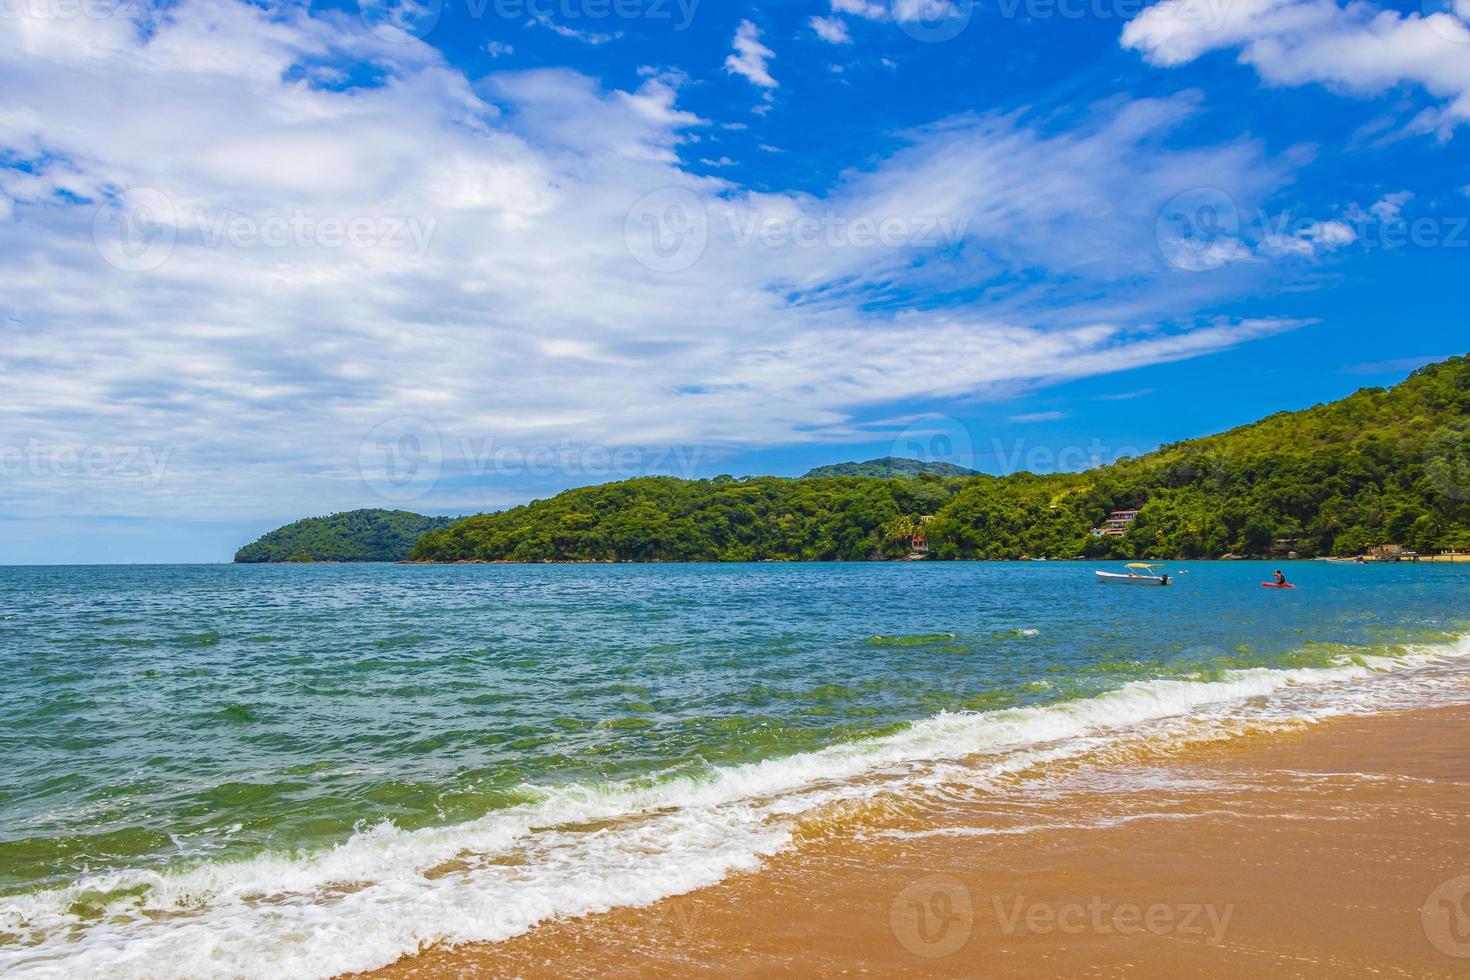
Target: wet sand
{"x":1340,"y":849}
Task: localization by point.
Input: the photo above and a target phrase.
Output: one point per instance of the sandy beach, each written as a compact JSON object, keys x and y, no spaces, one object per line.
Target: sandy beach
{"x":1339,"y":848}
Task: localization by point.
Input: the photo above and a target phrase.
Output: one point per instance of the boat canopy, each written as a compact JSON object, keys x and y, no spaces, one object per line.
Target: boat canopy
{"x":1139,"y":564}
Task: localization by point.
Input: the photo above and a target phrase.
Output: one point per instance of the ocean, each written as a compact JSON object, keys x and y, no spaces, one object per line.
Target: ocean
{"x":267,"y":771}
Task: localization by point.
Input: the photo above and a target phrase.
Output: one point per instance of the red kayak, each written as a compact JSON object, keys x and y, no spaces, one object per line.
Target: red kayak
{"x":1277,"y":585}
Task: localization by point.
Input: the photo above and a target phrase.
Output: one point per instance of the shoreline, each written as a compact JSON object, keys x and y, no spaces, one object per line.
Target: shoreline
{"x":1341,"y":846}
{"x":1422,"y":560}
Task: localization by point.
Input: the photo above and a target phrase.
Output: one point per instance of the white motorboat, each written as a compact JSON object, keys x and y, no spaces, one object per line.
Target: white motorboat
{"x":1138,"y":573}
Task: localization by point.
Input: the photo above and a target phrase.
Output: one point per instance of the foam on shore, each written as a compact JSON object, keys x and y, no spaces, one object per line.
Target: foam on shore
{"x":578,"y":849}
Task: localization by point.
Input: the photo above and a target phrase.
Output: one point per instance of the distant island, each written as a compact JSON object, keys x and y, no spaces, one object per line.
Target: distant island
{"x":353,"y":536}
{"x":889,"y":467}
{"x":1384,"y":468}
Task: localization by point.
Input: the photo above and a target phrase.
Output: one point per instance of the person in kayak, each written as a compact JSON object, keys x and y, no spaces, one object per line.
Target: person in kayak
{"x":1280,"y":578}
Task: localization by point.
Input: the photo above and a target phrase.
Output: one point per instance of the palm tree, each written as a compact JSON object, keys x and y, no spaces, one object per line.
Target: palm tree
{"x":903,"y":529}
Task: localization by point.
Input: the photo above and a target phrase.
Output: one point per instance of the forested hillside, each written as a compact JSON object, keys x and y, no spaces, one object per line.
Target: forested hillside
{"x":890,"y":467}
{"x":1381,"y":466}
{"x":357,"y":535}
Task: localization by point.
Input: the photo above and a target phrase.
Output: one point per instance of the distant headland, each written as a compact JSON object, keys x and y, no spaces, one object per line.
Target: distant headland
{"x":1384,"y":470}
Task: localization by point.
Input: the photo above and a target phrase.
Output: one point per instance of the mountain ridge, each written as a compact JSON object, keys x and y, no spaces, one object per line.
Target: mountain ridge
{"x":888,"y":467}
{"x":368,"y":535}
{"x":1382,"y":465}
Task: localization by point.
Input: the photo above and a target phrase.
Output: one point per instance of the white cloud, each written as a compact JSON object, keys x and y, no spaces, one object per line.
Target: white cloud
{"x":905,"y":11}
{"x":751,"y":57}
{"x":861,"y":8}
{"x":1330,"y":234}
{"x":527,"y":317}
{"x":1390,"y":206}
{"x":1358,"y":49}
{"x":586,"y":37}
{"x":833,"y":30}
{"x":497,"y":48}
{"x":901,"y":11}
{"x":1307,"y":239}
{"x":1033,"y":417}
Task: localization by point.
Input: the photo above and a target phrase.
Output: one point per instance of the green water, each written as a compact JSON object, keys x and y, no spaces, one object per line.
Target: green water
{"x":167,"y":718}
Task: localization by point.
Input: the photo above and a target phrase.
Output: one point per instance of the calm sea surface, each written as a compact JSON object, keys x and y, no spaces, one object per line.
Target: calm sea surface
{"x":297,"y":770}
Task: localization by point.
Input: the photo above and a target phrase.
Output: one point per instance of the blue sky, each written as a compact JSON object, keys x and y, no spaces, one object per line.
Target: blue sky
{"x":269,"y":261}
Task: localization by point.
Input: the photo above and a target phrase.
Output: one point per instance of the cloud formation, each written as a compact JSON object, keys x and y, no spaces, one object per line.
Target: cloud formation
{"x":1357,"y":48}
{"x":262,"y":243}
{"x":751,"y":57}
{"x":833,"y":30}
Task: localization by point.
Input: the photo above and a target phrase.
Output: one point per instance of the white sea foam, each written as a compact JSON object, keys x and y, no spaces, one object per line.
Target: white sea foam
{"x":386,"y":892}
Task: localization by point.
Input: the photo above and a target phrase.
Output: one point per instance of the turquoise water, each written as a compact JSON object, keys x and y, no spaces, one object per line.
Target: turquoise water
{"x":194,"y":739}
